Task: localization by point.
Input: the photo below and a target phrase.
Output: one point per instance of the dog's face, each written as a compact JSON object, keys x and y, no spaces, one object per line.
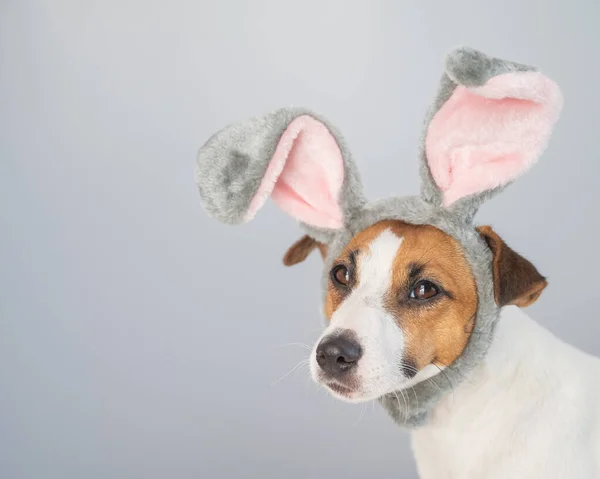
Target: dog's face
{"x":401,"y":305}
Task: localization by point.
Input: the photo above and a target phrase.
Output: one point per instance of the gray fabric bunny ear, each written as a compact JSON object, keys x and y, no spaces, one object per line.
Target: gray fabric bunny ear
{"x":290,"y":155}
{"x":490,"y":122}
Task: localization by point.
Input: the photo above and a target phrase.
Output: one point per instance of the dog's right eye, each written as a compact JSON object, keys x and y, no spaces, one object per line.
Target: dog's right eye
{"x":340,"y":275}
{"x":424,"y":290}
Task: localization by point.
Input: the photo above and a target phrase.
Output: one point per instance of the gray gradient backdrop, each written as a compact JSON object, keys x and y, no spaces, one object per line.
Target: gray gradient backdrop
{"x":139,"y":338}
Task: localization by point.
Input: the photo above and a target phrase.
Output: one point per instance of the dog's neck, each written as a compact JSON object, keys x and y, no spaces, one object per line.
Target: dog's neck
{"x":520,"y":351}
{"x":501,"y":398}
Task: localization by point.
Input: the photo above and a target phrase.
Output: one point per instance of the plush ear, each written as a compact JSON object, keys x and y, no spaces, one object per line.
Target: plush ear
{"x":291,"y":155}
{"x":300,"y":250}
{"x":516,"y":281}
{"x":489,"y":124}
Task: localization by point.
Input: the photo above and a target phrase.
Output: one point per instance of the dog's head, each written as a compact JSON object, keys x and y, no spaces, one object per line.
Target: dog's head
{"x":412,"y":286}
{"x":401,"y":305}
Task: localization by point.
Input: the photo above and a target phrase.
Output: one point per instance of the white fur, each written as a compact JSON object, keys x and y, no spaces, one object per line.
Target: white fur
{"x":531,"y":410}
{"x":363,"y":312}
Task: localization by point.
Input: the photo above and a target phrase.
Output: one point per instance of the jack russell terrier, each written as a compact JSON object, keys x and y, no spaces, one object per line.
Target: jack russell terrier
{"x":400,"y":304}
{"x":422,"y":306}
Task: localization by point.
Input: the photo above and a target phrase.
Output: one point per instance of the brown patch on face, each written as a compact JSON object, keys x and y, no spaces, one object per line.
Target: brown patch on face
{"x":437,"y":328}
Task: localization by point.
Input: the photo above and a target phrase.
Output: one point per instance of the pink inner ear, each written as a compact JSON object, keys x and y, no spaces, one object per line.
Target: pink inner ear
{"x":487,"y":136}
{"x":305,"y":175}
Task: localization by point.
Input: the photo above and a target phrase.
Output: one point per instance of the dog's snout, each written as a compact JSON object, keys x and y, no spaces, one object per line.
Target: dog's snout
{"x":338,"y":354}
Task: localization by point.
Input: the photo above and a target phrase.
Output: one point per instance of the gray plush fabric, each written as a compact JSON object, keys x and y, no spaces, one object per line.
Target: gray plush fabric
{"x":231,"y":166}
{"x":468,"y":67}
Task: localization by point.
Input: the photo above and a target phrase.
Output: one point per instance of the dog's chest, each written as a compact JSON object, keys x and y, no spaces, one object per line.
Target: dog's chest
{"x":465,"y":441}
{"x":455,"y":454}
{"x":530,"y":411}
{"x":524,"y":453}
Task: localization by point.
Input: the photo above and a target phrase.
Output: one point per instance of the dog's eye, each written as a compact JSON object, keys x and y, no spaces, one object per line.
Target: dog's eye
{"x":340,"y":275}
{"x":424,"y":290}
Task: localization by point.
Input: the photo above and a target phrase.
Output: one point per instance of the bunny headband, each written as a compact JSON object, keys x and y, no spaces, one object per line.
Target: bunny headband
{"x":489,"y":123}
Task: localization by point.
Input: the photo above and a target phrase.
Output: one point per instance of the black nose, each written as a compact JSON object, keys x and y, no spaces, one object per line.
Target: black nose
{"x":338,"y":354}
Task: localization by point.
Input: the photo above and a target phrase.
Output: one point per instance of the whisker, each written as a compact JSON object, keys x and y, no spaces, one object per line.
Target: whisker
{"x":406,"y":408}
{"x":302,"y":345}
{"x":428,"y":248}
{"x":398,"y":388}
{"x":399,"y":406}
{"x":362,"y":413}
{"x":430,"y":380}
{"x":454,"y":370}
{"x":416,"y":398}
{"x":304,"y":362}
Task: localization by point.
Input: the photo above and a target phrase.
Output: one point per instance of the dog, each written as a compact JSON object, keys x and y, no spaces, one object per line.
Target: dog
{"x":424,"y":307}
{"x":530,"y":409}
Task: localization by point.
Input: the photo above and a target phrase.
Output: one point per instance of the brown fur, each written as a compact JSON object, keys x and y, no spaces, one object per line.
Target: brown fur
{"x":300,"y":250}
{"x":516,"y":280}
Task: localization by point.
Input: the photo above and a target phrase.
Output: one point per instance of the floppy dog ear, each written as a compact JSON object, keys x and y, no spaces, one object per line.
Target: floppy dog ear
{"x":300,"y":250}
{"x":490,"y":122}
{"x":516,"y":280}
{"x":291,"y":155}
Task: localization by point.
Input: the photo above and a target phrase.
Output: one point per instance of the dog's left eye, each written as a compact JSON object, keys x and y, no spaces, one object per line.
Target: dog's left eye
{"x":340,"y":275}
{"x":424,"y":290}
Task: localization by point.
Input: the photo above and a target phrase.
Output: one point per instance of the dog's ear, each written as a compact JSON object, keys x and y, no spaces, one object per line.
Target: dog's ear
{"x":300,"y":250}
{"x":516,"y":280}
